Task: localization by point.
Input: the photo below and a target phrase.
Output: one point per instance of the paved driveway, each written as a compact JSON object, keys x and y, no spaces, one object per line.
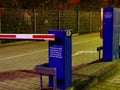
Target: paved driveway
{"x":17,"y":62}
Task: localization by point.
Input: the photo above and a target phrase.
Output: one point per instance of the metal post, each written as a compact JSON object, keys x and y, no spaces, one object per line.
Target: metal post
{"x":41,"y":82}
{"x":55,"y":80}
{"x":99,"y":54}
{"x":90,"y":13}
{"x":77,"y":21}
{"x":59,"y":19}
{"x":34,"y":22}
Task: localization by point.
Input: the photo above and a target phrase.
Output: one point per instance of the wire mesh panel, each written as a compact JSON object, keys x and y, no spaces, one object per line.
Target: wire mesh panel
{"x":89,"y":22}
{"x":68,"y":20}
{"x":46,"y":19}
{"x":95,"y":21}
{"x":40,"y":20}
{"x":84,"y":22}
{"x":17,"y":21}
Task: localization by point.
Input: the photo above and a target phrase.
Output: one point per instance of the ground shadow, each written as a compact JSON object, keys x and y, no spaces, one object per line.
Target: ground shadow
{"x":13,"y":75}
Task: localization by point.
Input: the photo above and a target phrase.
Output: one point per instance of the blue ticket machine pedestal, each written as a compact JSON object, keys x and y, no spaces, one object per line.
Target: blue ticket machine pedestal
{"x":111,"y":31}
{"x":107,"y":33}
{"x":60,"y":57}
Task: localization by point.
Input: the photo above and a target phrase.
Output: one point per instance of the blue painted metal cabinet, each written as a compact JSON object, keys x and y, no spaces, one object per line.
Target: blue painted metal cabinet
{"x":60,"y":56}
{"x":111,"y":32}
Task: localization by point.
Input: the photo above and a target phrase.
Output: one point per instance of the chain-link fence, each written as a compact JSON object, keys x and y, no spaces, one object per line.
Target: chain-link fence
{"x":17,"y":21}
{"x":88,"y":22}
{"x":40,"y":21}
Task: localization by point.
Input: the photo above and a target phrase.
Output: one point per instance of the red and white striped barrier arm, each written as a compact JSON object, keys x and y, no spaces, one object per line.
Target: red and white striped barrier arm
{"x":50,"y":37}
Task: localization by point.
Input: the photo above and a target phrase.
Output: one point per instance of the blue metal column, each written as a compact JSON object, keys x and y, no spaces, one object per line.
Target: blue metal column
{"x":111,"y":31}
{"x":60,"y":56}
{"x":107,"y":34}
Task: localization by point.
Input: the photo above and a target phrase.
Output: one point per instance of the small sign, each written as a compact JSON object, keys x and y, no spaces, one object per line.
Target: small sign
{"x":108,"y":15}
{"x":56,"y":52}
{"x":68,"y":33}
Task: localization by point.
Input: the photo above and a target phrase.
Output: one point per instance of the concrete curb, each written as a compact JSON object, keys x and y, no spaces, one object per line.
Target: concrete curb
{"x":83,"y":80}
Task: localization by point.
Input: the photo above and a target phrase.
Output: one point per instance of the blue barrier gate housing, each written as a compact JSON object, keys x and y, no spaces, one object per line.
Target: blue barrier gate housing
{"x":60,"y":56}
{"x":59,"y":67}
{"x":111,"y":32}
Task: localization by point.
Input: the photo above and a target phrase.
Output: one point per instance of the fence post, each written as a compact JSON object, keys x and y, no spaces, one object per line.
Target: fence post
{"x":90,"y":13}
{"x":59,"y":19}
{"x":34,"y":21}
{"x":77,"y":21}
